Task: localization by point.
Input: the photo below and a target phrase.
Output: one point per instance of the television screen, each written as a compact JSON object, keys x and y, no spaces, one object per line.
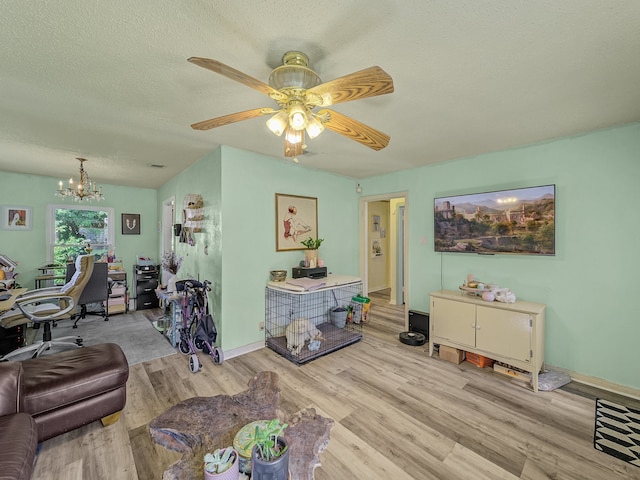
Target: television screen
{"x":520,"y":221}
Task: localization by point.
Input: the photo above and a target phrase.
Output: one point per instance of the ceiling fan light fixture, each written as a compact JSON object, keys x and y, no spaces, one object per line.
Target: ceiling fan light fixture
{"x":294,"y":136}
{"x":297,"y":116}
{"x":314,"y":127}
{"x":278,"y":123}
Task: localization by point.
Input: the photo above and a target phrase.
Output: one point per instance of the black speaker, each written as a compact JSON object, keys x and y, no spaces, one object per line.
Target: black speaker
{"x":177,"y":228}
{"x":419,"y":322}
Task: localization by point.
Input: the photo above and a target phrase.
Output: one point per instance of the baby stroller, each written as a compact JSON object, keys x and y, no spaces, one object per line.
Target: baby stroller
{"x":198,"y":331}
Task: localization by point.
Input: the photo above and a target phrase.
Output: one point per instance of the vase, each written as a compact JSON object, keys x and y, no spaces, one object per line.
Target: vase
{"x":230,"y":474}
{"x":276,"y":469}
{"x":311,"y":257}
{"x":171,"y":284}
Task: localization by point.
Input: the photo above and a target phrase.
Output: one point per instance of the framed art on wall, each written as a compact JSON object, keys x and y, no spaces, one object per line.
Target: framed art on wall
{"x":16,"y":218}
{"x":130,"y":224}
{"x":296,"y":220}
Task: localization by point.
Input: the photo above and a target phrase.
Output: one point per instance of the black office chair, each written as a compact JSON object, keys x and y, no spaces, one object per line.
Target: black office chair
{"x":97,"y":290}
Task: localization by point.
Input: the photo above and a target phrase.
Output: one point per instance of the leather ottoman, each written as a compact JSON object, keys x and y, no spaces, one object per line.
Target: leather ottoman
{"x":73,"y":388}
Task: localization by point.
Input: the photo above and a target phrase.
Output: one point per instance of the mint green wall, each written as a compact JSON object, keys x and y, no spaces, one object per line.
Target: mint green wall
{"x":204,"y":178}
{"x":592,"y":327}
{"x":250,"y":182}
{"x":30,"y":248}
{"x":238,"y":190}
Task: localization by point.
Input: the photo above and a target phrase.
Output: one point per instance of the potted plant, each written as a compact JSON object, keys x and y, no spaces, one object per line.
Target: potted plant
{"x":171,"y":263}
{"x":270,"y":454}
{"x":222,"y":464}
{"x":311,"y":254}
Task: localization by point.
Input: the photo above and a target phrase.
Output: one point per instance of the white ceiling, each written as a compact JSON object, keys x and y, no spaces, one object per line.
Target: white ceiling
{"x":110,"y":81}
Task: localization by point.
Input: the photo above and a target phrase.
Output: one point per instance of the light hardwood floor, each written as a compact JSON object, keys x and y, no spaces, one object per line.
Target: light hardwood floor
{"x":399,"y":415}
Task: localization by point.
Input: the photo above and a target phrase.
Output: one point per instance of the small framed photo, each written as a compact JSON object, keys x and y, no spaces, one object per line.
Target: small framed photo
{"x":130,"y":224}
{"x":16,"y":218}
{"x":296,"y":221}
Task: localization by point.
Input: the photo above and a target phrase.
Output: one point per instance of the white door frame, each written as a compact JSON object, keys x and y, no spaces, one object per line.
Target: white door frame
{"x":166,"y":230}
{"x":364,"y":243}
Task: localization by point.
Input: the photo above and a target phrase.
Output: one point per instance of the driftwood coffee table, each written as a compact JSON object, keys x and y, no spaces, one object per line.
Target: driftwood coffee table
{"x":202,"y":424}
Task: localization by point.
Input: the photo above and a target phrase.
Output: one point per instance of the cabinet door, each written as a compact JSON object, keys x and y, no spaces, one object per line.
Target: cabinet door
{"x":454,"y":321}
{"x":504,"y":333}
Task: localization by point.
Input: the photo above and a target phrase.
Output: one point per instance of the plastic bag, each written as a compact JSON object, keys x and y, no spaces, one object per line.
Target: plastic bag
{"x":551,"y":380}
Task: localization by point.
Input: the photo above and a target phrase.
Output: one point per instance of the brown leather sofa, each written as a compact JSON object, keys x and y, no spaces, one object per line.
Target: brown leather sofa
{"x":53,"y":394}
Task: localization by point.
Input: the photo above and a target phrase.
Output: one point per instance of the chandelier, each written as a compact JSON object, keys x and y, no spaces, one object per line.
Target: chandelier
{"x":83,"y":189}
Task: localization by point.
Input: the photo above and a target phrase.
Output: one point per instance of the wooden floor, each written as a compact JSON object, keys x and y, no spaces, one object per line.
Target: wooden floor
{"x":399,"y":415}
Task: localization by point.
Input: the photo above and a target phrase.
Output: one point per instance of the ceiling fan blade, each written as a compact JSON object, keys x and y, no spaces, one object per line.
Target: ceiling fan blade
{"x":238,"y":76}
{"x":368,"y":136}
{"x":232,"y":118}
{"x":369,"y":82}
{"x":294,"y":149}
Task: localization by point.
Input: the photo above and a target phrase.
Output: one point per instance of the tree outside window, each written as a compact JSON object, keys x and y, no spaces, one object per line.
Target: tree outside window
{"x":72,"y":229}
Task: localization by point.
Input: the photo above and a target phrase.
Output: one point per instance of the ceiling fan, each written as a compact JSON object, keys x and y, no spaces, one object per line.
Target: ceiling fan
{"x":298,"y":91}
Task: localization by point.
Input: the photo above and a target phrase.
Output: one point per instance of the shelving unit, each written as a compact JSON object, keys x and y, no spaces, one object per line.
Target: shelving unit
{"x":118,"y":301}
{"x":146,"y":282}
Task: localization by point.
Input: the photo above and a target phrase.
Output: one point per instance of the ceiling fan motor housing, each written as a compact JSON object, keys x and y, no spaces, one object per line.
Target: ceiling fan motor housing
{"x":294,"y":73}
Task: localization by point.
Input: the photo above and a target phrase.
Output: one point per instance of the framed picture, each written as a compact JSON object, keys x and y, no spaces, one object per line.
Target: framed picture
{"x":130,"y":224}
{"x":375,"y":223}
{"x":376,"y":248}
{"x":16,"y":218}
{"x":296,"y":220}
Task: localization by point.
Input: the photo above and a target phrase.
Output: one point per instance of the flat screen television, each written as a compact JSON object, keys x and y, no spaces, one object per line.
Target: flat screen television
{"x":517,"y":221}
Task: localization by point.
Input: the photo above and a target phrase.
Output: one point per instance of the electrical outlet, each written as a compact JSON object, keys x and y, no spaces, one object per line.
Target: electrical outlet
{"x":261,"y":325}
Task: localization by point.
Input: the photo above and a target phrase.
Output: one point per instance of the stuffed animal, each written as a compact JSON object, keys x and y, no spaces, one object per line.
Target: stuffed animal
{"x":298,"y":332}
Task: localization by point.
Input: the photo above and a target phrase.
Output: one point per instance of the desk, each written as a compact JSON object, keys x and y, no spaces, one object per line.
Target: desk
{"x":8,"y":304}
{"x":45,"y":278}
{"x":175,"y":303}
{"x":49,"y":273}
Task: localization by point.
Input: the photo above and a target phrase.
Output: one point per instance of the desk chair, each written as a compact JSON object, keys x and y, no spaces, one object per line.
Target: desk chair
{"x":96,"y":290}
{"x":46,"y":305}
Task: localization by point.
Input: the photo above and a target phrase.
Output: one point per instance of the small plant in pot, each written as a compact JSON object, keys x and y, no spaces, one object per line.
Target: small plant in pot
{"x":311,"y":254}
{"x":222,"y":464}
{"x":270,"y":454}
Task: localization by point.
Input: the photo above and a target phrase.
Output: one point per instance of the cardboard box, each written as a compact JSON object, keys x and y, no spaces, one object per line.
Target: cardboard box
{"x":451,"y":354}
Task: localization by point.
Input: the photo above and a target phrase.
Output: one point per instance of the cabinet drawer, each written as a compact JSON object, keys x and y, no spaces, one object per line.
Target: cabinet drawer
{"x":146,"y":301}
{"x":146,"y":287}
{"x":141,"y":277}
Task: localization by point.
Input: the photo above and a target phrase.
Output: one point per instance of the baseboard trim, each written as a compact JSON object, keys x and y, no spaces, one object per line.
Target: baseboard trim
{"x":599,"y":383}
{"x":236,"y":352}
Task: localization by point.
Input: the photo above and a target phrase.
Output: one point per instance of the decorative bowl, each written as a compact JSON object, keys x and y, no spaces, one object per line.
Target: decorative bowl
{"x":278,"y":275}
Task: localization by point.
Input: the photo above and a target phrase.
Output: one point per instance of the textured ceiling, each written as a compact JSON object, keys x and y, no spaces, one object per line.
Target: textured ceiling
{"x":110,"y":81}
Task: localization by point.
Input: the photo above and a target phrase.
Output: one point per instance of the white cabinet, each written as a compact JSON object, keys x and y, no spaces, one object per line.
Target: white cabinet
{"x":512,"y":333}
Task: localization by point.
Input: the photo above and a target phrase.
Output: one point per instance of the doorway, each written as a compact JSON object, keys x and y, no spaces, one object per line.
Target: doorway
{"x":383,"y":245}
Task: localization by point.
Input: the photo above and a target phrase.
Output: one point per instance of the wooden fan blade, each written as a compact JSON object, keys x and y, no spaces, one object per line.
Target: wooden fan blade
{"x":294,"y":149}
{"x":238,"y":76}
{"x":369,"y":82}
{"x":355,"y":130}
{"x":232,"y":118}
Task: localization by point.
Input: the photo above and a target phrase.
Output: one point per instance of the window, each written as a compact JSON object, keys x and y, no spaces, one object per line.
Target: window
{"x":71,"y":228}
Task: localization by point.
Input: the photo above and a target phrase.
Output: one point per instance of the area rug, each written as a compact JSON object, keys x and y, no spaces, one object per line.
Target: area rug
{"x":133,"y":332}
{"x":617,"y":431}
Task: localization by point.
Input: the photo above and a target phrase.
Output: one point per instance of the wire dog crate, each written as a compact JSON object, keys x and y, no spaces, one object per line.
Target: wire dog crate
{"x":298,"y":325}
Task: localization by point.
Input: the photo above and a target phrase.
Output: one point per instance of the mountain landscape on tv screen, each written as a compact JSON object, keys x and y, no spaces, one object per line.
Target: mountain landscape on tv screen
{"x":508,"y":221}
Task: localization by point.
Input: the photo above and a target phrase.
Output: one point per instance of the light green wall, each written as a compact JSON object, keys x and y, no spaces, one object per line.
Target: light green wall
{"x":589,"y":286}
{"x":29,"y":248}
{"x":204,"y":178}
{"x":250,"y":183}
{"x":238,"y":190}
